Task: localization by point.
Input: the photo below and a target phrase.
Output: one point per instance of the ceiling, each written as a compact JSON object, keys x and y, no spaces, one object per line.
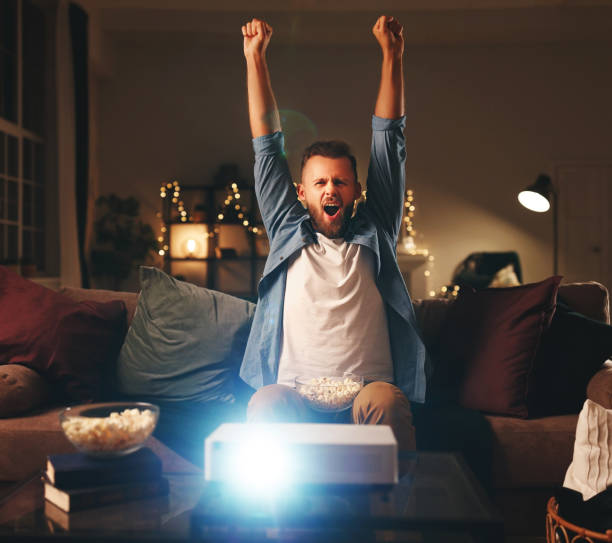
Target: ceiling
{"x":348,"y":21}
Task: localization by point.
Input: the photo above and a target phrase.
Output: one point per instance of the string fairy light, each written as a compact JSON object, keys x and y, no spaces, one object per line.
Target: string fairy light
{"x":231,"y":209}
{"x":409,"y":240}
{"x":170,"y":194}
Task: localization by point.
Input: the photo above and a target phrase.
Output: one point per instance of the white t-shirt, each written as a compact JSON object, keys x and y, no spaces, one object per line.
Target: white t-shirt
{"x":334,"y":319}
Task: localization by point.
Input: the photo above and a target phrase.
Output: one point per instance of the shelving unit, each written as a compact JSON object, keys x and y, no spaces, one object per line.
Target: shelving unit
{"x":236,"y":273}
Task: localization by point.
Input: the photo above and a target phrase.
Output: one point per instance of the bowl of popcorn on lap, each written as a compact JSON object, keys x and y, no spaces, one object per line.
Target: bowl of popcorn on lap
{"x":329,"y":393}
{"x":108,"y":430}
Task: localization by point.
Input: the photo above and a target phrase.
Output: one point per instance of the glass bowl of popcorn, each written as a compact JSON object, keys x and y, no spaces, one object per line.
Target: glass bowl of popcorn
{"x":107,"y":430}
{"x":329,"y":394}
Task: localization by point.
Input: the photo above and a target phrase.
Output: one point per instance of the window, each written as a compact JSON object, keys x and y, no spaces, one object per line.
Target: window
{"x":22,"y":128}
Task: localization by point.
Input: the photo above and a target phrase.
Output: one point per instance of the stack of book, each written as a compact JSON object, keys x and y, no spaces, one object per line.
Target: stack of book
{"x":75,"y":481}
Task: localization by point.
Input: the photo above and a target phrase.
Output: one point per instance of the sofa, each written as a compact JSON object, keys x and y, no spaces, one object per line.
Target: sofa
{"x":529,"y":455}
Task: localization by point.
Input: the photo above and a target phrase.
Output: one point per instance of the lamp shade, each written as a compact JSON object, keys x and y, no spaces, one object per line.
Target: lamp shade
{"x":537,"y":196}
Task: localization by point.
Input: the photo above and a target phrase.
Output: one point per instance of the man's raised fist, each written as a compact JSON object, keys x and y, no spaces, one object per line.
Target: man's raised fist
{"x":389,"y":33}
{"x":257,"y":36}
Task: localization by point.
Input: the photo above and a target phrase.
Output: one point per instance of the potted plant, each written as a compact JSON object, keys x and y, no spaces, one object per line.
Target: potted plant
{"x":122,"y":240}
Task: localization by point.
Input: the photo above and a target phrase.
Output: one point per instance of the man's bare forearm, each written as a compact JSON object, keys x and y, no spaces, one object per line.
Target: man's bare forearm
{"x":390,"y":35}
{"x":390,"y":100}
{"x":263,"y":111}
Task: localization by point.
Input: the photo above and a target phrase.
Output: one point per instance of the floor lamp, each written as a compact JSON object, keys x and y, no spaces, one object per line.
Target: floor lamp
{"x":540,"y":197}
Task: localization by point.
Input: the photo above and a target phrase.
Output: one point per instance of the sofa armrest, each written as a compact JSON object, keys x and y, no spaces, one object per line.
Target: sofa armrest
{"x":21,"y":390}
{"x":599,"y":389}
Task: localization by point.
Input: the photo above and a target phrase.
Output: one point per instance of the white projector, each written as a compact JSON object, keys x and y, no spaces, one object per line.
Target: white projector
{"x":279,"y":454}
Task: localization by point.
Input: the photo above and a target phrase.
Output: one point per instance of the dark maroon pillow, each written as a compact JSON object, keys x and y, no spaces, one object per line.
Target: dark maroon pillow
{"x":489,"y":342}
{"x":71,"y":344}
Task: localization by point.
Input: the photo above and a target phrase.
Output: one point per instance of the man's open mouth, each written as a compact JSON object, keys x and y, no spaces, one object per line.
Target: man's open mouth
{"x":331,"y":210}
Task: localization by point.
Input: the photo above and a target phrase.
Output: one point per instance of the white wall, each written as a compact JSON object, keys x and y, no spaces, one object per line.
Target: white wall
{"x":482,"y":123}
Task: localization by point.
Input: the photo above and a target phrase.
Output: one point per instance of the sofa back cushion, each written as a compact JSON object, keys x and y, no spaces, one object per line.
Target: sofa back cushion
{"x":590,"y":298}
{"x":185,"y":343}
{"x":430,"y":315}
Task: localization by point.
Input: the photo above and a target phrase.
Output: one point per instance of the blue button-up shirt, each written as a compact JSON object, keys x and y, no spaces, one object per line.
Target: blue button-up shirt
{"x":376,"y":225}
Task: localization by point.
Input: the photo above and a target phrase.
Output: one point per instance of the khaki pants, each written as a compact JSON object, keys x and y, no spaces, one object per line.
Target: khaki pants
{"x":376,"y":403}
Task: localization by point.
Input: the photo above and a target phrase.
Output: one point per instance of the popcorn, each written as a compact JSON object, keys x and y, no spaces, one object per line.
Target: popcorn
{"x":116,"y":432}
{"x":329,"y":393}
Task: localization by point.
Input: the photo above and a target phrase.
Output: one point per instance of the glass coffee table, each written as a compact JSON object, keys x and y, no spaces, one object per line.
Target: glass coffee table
{"x":437,"y":500}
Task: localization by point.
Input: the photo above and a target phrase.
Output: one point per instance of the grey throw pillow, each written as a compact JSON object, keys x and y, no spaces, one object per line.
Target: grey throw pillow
{"x":185,"y":342}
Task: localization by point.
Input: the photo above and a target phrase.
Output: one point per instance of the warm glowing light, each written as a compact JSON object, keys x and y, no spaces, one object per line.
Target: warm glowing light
{"x":444,"y":289}
{"x":533,"y":201}
{"x":164,"y":229}
{"x":183,"y":219}
{"x":220,"y":216}
{"x":174,"y":200}
{"x":161,"y":252}
{"x":191,"y":246}
{"x":234,"y":185}
{"x":237,"y":195}
{"x":432,"y":293}
{"x":169,"y":185}
{"x":426,"y":273}
{"x":245,"y":223}
{"x":255,"y":230}
{"x":160,"y":238}
{"x":237,"y":207}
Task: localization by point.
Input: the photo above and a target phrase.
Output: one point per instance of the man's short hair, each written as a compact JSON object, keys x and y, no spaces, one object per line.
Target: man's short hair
{"x":329,"y":149}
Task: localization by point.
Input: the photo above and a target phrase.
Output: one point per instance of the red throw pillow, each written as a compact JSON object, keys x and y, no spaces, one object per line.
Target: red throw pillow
{"x":71,"y":344}
{"x":490,"y":340}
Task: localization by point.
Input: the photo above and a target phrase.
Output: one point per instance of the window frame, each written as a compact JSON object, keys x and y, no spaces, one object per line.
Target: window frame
{"x":18,"y":131}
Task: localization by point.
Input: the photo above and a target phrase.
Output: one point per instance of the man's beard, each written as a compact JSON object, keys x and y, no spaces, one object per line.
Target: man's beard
{"x":334,"y":229}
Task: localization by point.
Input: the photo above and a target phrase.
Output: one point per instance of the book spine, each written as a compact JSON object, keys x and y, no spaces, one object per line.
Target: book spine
{"x":77,"y":479}
{"x":105,"y":496}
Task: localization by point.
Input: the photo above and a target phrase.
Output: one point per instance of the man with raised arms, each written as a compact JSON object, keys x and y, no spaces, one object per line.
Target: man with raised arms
{"x":332,"y":298}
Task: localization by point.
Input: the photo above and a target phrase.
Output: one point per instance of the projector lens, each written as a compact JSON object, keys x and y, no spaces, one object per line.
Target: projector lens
{"x":261,"y":466}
